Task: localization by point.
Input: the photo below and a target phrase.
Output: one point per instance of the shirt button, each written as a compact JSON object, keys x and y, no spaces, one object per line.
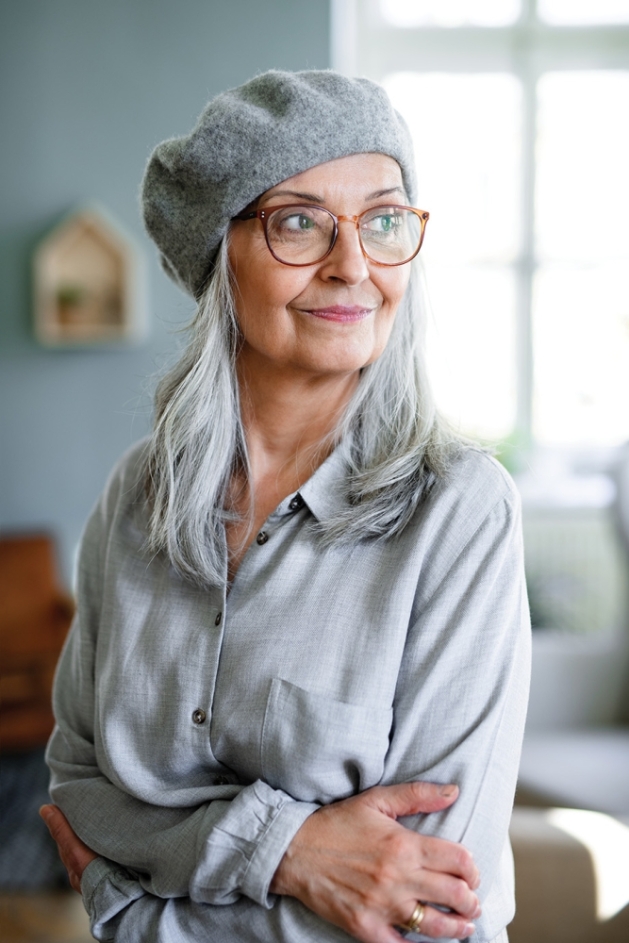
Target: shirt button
{"x":198,"y":717}
{"x":297,"y":503}
{"x":221,"y":781}
{"x":219,"y":616}
{"x":262,"y":537}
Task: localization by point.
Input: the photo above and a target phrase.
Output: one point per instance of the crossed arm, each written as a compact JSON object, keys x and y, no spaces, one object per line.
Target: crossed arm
{"x":355,"y":866}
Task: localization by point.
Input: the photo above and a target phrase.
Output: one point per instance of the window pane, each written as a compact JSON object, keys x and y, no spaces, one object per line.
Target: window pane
{"x":581,"y":297}
{"x":582,"y":192}
{"x":581,"y":354}
{"x":471,"y":347}
{"x":466,"y":130}
{"x":583,"y":12}
{"x":409,"y":13}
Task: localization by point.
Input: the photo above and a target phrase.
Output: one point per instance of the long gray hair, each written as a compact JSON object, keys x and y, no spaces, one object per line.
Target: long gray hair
{"x":395,"y":444}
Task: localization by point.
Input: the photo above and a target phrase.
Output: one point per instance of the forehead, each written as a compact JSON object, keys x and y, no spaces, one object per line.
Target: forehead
{"x":359,"y":176}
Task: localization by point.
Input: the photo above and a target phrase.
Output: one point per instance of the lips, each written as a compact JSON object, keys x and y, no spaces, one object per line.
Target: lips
{"x":343,"y":313}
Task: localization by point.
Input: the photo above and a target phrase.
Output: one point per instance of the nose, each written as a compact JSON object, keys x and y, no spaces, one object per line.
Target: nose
{"x":346,"y":262}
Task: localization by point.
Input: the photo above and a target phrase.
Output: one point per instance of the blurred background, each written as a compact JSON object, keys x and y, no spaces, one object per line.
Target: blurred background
{"x":520,"y":114}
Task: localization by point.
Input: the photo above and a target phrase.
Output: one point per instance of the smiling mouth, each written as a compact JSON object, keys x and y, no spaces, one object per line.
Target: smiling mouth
{"x":343,"y":313}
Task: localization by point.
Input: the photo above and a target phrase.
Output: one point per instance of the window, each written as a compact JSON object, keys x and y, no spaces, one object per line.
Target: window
{"x":519,"y":110}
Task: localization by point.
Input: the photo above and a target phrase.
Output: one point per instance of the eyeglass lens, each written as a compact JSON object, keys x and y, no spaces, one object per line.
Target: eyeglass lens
{"x":300,"y":235}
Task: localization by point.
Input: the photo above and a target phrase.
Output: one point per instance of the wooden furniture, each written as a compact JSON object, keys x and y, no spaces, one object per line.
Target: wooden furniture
{"x":35,"y":615}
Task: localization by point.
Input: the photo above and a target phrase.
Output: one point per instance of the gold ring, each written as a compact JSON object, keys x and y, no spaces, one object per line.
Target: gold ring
{"x":417,"y":916}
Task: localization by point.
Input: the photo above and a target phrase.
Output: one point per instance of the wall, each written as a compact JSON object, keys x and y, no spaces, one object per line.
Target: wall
{"x":87,"y":89}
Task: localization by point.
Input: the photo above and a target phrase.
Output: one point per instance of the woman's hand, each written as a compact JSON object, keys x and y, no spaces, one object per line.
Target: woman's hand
{"x":356,"y":867}
{"x":74,"y":854}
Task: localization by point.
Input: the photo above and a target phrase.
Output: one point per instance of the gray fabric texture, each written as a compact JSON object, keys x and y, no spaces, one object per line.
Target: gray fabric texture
{"x":320,"y":673}
{"x":249,"y":139}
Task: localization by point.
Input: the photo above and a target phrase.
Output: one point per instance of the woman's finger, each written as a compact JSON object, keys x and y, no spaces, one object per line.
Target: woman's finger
{"x":410,"y":798}
{"x":447,"y":891}
{"x":74,"y":853}
{"x":438,"y":854}
{"x":369,"y":928}
{"x":437,"y":924}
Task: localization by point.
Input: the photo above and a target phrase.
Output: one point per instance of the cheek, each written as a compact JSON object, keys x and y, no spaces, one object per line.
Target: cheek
{"x":263,"y":286}
{"x":393,"y":293}
{"x":394,"y":285}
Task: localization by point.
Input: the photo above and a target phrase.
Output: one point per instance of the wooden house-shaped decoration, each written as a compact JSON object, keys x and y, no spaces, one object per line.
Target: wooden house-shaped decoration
{"x":88,"y":283}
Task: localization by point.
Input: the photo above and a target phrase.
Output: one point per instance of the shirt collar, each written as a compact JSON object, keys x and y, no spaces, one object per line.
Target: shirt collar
{"x":325,"y":491}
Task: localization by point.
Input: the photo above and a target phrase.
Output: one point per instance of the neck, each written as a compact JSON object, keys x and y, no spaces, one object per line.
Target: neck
{"x":289,"y":419}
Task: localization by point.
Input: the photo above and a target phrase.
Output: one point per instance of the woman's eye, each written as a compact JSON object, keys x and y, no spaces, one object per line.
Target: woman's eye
{"x":386,"y":222}
{"x":299,"y":222}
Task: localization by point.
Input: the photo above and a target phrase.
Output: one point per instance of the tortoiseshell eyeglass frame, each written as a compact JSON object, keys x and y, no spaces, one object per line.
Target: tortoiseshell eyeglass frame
{"x":264,"y":214}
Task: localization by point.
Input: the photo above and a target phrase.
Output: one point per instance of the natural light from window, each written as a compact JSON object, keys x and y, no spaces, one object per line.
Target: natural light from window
{"x":580,"y":299}
{"x":583,"y":12}
{"x":450,"y":13}
{"x":472,"y":239}
{"x":467,"y":133}
{"x":607,"y":841}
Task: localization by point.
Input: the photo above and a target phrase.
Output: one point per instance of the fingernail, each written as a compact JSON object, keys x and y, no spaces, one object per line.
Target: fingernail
{"x":448,"y":790}
{"x":469,"y":929}
{"x":45,"y":812}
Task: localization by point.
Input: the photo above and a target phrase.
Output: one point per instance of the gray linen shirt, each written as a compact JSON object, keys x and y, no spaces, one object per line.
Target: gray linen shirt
{"x":197,"y":729}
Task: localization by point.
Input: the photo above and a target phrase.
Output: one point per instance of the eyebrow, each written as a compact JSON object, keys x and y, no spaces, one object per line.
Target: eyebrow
{"x":379,"y":193}
{"x":315,"y":198}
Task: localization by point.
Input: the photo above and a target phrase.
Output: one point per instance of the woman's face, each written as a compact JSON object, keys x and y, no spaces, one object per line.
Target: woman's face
{"x":335,"y":316}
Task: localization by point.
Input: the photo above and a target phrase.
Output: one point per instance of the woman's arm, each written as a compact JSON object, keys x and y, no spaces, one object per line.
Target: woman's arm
{"x":214,"y":844}
{"x":459,"y":711}
{"x":463,"y":686}
{"x":386,"y":867}
{"x":355,"y":865}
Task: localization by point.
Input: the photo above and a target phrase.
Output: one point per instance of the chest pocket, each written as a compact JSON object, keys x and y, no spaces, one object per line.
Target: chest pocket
{"x":318,"y":749}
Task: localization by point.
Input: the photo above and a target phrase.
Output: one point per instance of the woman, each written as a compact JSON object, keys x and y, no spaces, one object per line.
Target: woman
{"x":292,"y":703}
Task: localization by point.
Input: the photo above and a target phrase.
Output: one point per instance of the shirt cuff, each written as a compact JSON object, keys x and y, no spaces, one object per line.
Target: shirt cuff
{"x":107,"y":890}
{"x":242,"y":853}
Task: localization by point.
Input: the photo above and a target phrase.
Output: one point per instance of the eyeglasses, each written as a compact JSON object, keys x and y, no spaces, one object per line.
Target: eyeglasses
{"x":302,"y":234}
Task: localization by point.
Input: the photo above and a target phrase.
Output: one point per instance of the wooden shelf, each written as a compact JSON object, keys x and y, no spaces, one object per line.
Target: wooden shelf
{"x":88,"y":283}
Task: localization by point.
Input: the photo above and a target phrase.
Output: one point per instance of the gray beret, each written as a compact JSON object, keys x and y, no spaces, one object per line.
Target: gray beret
{"x":250,"y":139}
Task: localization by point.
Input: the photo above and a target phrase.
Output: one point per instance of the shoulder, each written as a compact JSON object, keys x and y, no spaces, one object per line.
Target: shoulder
{"x":475,"y":476}
{"x":117,"y":516}
{"x":469,"y":523}
{"x":474,"y":501}
{"x":128,"y":474}
{"x":124,"y":492}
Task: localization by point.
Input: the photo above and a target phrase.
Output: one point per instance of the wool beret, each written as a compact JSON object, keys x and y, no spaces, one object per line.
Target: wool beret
{"x":249,"y":139}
